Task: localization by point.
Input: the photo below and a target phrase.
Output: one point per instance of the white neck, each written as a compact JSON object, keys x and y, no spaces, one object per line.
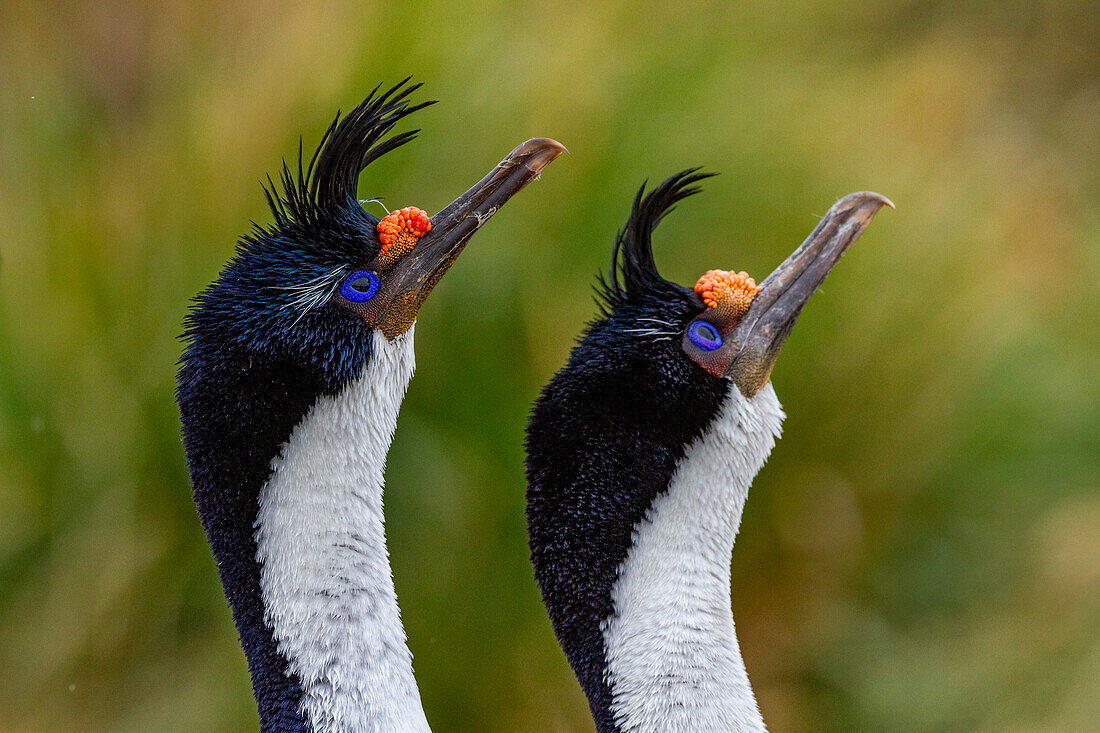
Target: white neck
{"x":673,"y":662}
{"x":325,"y":570}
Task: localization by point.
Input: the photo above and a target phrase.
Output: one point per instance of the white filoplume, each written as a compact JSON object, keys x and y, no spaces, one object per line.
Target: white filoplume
{"x":325,"y":573}
{"x":673,"y":662}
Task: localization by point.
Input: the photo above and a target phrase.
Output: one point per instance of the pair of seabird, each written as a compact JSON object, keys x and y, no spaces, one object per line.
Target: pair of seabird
{"x":640,"y":450}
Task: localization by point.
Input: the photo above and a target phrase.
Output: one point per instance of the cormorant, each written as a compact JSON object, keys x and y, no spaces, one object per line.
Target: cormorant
{"x":640,"y":453}
{"x":297,"y":361}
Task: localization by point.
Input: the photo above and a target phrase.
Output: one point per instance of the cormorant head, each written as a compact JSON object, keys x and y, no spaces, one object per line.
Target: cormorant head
{"x":726,"y":327}
{"x":306,"y":285}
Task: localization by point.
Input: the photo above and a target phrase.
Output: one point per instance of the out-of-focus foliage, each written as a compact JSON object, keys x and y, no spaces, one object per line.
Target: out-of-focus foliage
{"x":921,"y":553}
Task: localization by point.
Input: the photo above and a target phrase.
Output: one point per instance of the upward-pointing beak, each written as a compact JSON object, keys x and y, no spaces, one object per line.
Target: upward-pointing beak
{"x":765,"y":327}
{"x":412,"y":278}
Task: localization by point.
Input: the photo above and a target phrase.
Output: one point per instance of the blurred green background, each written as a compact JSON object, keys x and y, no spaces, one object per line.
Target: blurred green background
{"x":922,"y":552}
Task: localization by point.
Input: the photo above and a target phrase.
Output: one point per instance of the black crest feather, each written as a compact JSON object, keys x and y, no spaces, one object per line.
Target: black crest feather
{"x":325,"y":190}
{"x":633,"y":269}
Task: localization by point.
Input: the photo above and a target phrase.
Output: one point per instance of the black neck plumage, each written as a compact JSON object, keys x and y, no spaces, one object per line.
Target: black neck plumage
{"x":238,"y":408}
{"x":603,"y":442}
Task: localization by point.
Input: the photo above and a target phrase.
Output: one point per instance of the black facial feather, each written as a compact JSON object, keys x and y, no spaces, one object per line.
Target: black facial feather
{"x":605,"y":437}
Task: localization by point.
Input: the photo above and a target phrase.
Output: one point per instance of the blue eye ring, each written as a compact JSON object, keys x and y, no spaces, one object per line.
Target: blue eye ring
{"x":352,"y":287}
{"x":705,"y":336}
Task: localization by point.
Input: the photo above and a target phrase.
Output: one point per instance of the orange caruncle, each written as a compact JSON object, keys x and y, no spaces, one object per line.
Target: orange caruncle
{"x":730,"y":292}
{"x":399,"y":230}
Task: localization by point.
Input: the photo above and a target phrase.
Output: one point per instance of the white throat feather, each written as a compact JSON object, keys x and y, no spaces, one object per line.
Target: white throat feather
{"x":673,"y":661}
{"x":325,"y":573}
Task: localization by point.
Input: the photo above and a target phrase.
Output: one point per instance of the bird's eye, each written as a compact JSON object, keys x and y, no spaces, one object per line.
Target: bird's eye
{"x":705,"y":336}
{"x":360,"y":286}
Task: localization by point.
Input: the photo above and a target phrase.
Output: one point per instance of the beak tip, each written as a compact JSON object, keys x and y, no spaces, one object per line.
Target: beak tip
{"x":548,"y":143}
{"x":885,"y":201}
{"x":863,"y":198}
{"x":860,"y":206}
{"x":536,"y":153}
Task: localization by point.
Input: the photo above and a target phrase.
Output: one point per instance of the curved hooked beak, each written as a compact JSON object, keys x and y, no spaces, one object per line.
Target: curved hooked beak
{"x":411,"y":279}
{"x":764,"y":328}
